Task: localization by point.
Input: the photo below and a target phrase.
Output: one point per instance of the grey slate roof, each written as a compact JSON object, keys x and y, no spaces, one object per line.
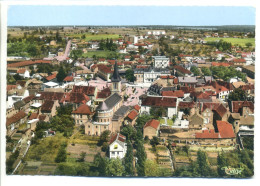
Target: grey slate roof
{"x":19,"y":104}
{"x":187,"y":79}
{"x":110,"y":102}
{"x":120,"y":112}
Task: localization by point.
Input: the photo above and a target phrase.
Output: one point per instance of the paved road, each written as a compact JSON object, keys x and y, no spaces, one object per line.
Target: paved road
{"x":66,"y":53}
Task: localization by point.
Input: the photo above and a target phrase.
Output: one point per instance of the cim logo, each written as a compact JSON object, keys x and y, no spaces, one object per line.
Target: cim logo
{"x":232,"y":171}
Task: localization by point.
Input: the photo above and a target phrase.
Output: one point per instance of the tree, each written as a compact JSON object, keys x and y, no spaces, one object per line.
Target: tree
{"x":100,"y":163}
{"x":82,"y":156}
{"x":203,"y":165}
{"x":33,"y":50}
{"x":61,"y":75}
{"x":128,"y":160}
{"x":248,"y":45}
{"x":130,"y":75}
{"x":151,"y":168}
{"x":62,"y":155}
{"x":195,"y":70}
{"x":10,"y":79}
{"x":104,"y":137}
{"x":141,"y":157}
{"x":114,"y":168}
{"x":155,"y":141}
{"x":237,"y":95}
{"x":129,"y":132}
{"x":75,"y":54}
{"x":222,"y":162}
{"x":158,"y":112}
{"x":64,"y":124}
{"x":206,"y":71}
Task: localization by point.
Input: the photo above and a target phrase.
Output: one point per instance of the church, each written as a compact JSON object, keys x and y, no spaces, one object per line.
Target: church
{"x":105,"y":111}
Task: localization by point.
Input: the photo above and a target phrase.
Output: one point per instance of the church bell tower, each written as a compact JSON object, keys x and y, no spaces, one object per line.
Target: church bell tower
{"x":116,"y":80}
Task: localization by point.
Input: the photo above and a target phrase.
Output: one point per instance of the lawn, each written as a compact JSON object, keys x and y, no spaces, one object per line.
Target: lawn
{"x":234,"y":41}
{"x":169,"y":121}
{"x":101,"y":53}
{"x":90,"y":36}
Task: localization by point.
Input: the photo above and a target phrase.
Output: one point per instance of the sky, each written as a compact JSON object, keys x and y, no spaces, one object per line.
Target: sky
{"x":39,"y":15}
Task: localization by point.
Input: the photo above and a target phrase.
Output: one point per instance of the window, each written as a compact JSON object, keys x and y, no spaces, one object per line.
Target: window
{"x":105,"y":127}
{"x":89,"y":126}
{"x":96,"y":127}
{"x":113,"y":153}
{"x":116,"y":146}
{"x":205,"y":114}
{"x":80,"y":115}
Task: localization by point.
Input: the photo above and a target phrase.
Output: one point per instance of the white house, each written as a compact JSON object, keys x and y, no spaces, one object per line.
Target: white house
{"x":23,"y":73}
{"x":117,"y":146}
{"x":161,"y":61}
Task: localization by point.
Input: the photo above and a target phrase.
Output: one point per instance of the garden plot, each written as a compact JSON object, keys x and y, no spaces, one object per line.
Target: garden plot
{"x":75,"y":150}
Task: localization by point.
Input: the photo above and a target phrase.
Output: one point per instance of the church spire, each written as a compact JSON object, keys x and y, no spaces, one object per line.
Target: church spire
{"x":116,"y":76}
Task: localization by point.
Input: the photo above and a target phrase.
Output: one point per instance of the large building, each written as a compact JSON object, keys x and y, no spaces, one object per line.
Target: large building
{"x":161,"y":61}
{"x":104,"y":115}
{"x":149,"y":75}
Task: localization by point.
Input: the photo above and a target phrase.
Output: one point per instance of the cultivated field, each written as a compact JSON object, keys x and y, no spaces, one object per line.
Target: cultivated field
{"x":234,"y":41}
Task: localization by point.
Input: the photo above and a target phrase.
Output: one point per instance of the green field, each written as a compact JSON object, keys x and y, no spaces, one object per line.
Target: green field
{"x":95,"y":36}
{"x":234,"y":41}
{"x":100,"y":54}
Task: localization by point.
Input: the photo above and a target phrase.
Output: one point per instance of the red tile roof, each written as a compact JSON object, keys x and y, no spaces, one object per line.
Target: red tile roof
{"x":104,"y":68}
{"x":51,"y":96}
{"x":247,"y":87}
{"x":183,"y":104}
{"x":106,"y":92}
{"x":221,"y":110}
{"x":220,"y":64}
{"x":137,"y":107}
{"x":47,"y":105}
{"x":142,"y":66}
{"x":225,"y":129}
{"x":83,"y":109}
{"x":68,"y":78}
{"x":28,"y":98}
{"x":26,"y":63}
{"x":239,"y":61}
{"x":160,"y":101}
{"x":21,"y":71}
{"x":73,"y":97}
{"x":33,"y":116}
{"x":152,"y":123}
{"x":182,"y":70}
{"x":42,"y":117}
{"x":238,"y":105}
{"x":51,"y":77}
{"x":176,"y":93}
{"x":167,"y":77}
{"x":132,"y":115}
{"x":88,"y":90}
{"x":207,"y":134}
{"x":10,"y":87}
{"x":117,"y":136}
{"x":15,"y":118}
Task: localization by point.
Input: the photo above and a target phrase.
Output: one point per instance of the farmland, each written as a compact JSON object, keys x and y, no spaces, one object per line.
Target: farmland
{"x":100,"y":53}
{"x":234,"y":41}
{"x":89,"y":36}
